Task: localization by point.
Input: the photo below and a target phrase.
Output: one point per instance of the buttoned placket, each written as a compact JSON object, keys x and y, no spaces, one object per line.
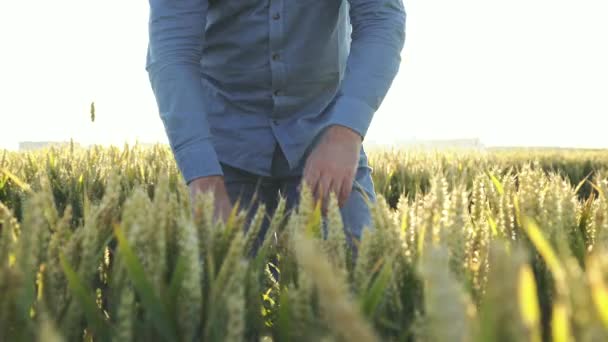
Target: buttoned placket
{"x":277,"y":67}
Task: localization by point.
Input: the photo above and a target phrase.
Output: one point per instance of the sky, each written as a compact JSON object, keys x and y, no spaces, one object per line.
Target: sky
{"x":510,"y":73}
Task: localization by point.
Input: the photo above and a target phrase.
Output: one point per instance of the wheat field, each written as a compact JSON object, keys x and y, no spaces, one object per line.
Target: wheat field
{"x":103,"y":244}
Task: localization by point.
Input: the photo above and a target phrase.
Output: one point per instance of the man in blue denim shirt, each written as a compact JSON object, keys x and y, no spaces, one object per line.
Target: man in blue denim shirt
{"x":258,"y":95}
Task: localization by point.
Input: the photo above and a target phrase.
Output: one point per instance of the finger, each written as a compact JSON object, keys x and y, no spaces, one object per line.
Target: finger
{"x":317,"y":189}
{"x":314,"y":185}
{"x":338,"y":190}
{"x":309,"y":167}
{"x":347,"y":187}
{"x":311,"y":179}
{"x":326,"y":187}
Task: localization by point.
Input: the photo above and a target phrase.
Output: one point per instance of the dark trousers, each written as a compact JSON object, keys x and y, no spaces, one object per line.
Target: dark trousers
{"x":243,"y":185}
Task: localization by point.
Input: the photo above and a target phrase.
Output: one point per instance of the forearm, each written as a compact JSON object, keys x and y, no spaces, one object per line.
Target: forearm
{"x":176,"y":31}
{"x":378,"y":38}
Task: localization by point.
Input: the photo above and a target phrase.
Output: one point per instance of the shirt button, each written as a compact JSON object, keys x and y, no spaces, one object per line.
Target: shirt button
{"x":276,"y":16}
{"x":277,"y":92}
{"x":275,"y":56}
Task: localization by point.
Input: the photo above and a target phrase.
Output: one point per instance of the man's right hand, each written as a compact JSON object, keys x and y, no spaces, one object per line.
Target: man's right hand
{"x":222,"y":205}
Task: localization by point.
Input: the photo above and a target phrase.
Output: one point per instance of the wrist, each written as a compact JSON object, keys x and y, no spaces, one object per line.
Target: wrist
{"x":343,"y":132}
{"x":207,"y":182}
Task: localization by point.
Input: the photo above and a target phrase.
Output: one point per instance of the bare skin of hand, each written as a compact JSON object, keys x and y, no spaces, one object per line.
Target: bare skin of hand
{"x":222,"y":205}
{"x":332,"y":165}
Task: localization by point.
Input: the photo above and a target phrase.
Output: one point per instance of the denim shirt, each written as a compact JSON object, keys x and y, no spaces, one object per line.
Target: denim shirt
{"x":233,"y":78}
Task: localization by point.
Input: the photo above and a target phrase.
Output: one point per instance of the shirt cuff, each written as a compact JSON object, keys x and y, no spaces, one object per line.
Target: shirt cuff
{"x":199,"y":160}
{"x":352,"y":113}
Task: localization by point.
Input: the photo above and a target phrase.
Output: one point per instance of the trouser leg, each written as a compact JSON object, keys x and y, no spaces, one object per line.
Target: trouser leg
{"x":250,"y":190}
{"x":356,"y":213}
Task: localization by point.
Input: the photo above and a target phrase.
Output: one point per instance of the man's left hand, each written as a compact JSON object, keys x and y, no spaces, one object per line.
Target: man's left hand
{"x":332,"y":165}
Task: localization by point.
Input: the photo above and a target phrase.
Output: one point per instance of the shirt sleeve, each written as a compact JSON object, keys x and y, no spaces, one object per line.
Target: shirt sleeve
{"x":176,"y":32}
{"x":377,"y":39}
